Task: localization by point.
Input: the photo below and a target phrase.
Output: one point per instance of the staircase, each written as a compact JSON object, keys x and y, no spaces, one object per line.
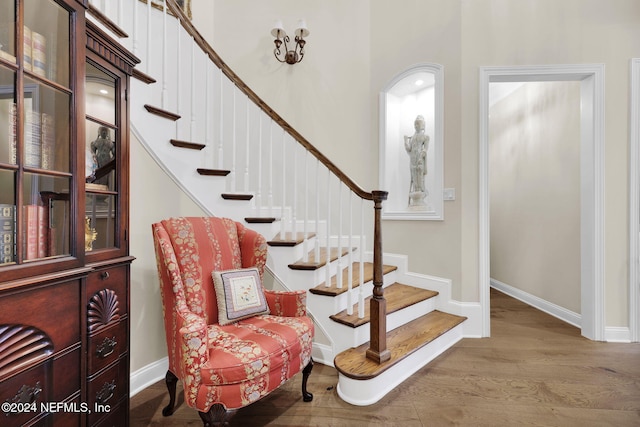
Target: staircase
{"x":376,"y":322}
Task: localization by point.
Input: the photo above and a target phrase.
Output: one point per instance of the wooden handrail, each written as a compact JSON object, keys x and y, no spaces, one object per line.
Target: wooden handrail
{"x":215,"y":58}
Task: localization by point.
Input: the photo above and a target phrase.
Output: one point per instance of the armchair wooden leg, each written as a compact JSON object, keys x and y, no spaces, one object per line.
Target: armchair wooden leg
{"x":306,"y":396}
{"x":217,"y":416}
{"x":171,"y":381}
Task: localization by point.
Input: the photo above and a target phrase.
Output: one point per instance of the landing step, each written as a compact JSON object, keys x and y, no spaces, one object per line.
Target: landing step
{"x":401,"y":342}
{"x":261,"y":220}
{"x":162,"y":113}
{"x":333,"y":289}
{"x":213,"y":172}
{"x":236,"y":196}
{"x":289,"y":239}
{"x":186,"y":144}
{"x":313,"y":264}
{"x":397,"y":295}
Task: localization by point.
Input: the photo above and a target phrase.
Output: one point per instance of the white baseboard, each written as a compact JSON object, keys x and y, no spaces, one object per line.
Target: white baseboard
{"x":322,"y":353}
{"x":617,"y":334}
{"x":147,"y":375}
{"x":561,"y":313}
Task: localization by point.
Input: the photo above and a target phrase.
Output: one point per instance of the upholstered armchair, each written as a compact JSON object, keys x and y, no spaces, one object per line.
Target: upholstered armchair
{"x":222,"y":345}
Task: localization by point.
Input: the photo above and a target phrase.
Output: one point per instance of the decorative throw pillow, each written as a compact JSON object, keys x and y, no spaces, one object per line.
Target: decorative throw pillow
{"x":239,"y":294}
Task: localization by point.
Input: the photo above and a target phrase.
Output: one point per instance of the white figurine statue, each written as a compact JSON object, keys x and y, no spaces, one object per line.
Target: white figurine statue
{"x":417,"y":146}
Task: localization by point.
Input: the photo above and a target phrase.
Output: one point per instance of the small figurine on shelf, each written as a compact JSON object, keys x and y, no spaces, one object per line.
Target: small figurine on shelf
{"x":90,"y":235}
{"x":103,"y":150}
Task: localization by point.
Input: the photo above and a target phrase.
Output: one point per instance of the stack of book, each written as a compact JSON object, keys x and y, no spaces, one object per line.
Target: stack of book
{"x":7,"y":233}
{"x":39,"y":138}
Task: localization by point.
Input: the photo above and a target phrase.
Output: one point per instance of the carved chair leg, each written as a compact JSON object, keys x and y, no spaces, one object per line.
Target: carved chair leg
{"x":306,"y":396}
{"x":171,"y":381}
{"x":217,"y":416}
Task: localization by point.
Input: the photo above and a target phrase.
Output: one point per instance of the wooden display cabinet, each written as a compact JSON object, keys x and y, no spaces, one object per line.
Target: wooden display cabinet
{"x":64,"y":203}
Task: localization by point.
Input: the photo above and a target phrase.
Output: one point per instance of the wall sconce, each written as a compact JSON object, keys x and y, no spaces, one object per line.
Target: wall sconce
{"x":290,"y":56}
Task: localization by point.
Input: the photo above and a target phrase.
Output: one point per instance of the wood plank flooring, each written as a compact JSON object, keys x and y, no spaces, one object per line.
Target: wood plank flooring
{"x":534,"y":370}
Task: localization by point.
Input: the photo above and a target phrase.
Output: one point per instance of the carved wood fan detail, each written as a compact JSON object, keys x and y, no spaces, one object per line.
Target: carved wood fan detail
{"x":103,"y":309}
{"x":22,"y":345}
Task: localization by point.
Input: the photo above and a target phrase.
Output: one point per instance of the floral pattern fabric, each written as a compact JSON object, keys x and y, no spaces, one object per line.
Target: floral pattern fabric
{"x":236,"y":364}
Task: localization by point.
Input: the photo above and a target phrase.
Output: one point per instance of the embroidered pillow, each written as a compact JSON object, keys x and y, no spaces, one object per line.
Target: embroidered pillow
{"x":239,"y":294}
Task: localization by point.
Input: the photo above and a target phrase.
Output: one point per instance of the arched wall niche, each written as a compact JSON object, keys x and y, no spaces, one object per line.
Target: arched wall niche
{"x":415,"y":191}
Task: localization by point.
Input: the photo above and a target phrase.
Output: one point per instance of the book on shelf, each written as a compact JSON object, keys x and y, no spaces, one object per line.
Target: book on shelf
{"x":32,"y":139}
{"x":48,"y":141}
{"x":7,"y":56}
{"x":38,"y":54}
{"x":36,"y":232}
{"x":7,"y":233}
{"x":27,"y":58}
{"x":13,"y":121}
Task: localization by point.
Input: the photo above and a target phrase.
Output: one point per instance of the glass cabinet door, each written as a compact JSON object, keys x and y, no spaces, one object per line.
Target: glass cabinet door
{"x":102,"y":148}
{"x":36,"y":156}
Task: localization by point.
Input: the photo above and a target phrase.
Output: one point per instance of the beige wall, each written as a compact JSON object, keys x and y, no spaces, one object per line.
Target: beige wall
{"x":154,"y":197}
{"x":534,"y":177}
{"x":356,"y":47}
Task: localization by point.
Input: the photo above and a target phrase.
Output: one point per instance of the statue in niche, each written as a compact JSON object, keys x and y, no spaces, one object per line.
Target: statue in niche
{"x":103,"y":150}
{"x":417,"y":146}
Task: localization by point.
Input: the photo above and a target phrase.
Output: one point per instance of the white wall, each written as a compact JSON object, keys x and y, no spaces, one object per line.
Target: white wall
{"x":534,"y":177}
{"x":154,"y":197}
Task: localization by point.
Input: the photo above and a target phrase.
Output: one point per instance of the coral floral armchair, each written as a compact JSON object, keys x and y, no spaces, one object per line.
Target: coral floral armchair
{"x":225,"y":364}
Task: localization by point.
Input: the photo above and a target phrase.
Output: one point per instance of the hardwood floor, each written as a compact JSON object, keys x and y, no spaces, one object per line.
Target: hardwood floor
{"x":534,"y":370}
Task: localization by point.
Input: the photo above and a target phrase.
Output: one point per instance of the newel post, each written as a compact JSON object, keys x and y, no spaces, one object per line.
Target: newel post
{"x":378,"y":351}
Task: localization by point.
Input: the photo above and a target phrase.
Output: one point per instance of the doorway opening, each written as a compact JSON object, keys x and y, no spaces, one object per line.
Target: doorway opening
{"x":591,"y":81}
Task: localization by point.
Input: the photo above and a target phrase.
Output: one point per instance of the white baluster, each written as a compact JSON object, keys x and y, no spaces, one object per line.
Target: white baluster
{"x":233,"y":143}
{"x":305,"y":227}
{"x":179,"y":71}
{"x":339,"y":261}
{"x":294,"y":197}
{"x":164,"y":55}
{"x":136,"y":42}
{"x":361,"y":249}
{"x":208,"y":158}
{"x":192,"y":129}
{"x":350,"y":266}
{"x":317,"y":239}
{"x":149,"y":37}
{"x":247,"y":150}
{"x":271,"y":168}
{"x":284,"y":186}
{"x":328,"y":264}
{"x":221,"y":122}
{"x":259,"y":194}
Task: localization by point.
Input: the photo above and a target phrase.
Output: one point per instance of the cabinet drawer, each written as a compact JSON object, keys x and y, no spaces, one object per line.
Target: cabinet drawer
{"x":33,"y":387}
{"x":107,"y":346}
{"x":107,"y":389}
{"x":117,"y":417}
{"x":107,"y":296}
{"x":53,"y":309}
{"x":66,"y":375}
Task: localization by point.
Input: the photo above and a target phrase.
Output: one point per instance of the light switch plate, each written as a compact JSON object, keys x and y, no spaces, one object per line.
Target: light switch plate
{"x":449,"y":194}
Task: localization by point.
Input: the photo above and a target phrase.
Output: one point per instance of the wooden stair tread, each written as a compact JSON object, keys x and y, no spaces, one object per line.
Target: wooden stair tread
{"x":213,"y":172}
{"x":333,"y":289}
{"x":397,"y":295}
{"x":401,"y":342}
{"x":162,"y":113}
{"x":236,"y":196}
{"x":145,"y":78}
{"x":313,"y":264}
{"x":289,"y":239}
{"x":261,"y":220}
{"x":186,"y":144}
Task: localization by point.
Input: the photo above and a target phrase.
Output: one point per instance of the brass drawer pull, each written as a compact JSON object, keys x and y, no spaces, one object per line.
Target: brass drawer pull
{"x":106,"y":392}
{"x":105,"y":349}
